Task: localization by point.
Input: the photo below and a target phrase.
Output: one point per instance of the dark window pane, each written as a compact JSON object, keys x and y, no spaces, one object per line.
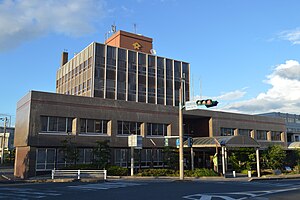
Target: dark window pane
{"x":98,"y":126}
{"x":44,"y":123}
{"x":52,"y":123}
{"x":61,"y":121}
{"x":90,"y":126}
{"x":83,"y":125}
{"x":70,"y":124}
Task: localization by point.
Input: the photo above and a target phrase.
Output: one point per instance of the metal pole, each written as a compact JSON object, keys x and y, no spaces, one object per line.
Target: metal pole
{"x":223,"y":160}
{"x":132,"y":161}
{"x":257,"y":162}
{"x":181,"y":168}
{"x":3,"y":141}
{"x":192,"y":158}
{"x":226,"y":160}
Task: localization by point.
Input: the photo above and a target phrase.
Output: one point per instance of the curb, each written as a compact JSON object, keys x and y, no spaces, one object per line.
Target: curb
{"x":273,"y":178}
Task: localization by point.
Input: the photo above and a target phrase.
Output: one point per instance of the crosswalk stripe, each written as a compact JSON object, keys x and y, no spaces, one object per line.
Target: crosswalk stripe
{"x":104,"y":186}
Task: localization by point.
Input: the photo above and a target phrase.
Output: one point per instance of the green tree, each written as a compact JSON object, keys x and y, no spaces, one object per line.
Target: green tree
{"x":170,"y":157}
{"x":242,"y":158}
{"x":101,"y":154}
{"x":71,"y":153}
{"x":274,"y":157}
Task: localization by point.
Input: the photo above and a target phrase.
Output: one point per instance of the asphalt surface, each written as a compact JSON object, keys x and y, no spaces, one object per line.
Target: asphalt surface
{"x":155,"y":189}
{"x":145,"y":188}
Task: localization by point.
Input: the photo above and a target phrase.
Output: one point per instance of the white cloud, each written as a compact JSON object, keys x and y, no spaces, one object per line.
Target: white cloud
{"x":233,"y":95}
{"x":283,"y":96}
{"x":228,"y":96}
{"x":22,"y":20}
{"x":291,"y":35}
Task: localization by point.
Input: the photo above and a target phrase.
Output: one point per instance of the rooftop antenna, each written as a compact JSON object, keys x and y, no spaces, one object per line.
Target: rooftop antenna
{"x":113,"y":28}
{"x":193,"y":94}
{"x":134,"y":27}
{"x":200,"y":80}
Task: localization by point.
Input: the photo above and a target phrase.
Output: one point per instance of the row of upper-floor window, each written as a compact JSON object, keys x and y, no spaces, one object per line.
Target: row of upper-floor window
{"x":260,"y":134}
{"x":292,"y":120}
{"x":72,"y":73}
{"x":140,"y":59}
{"x":54,"y":124}
{"x":293,"y":130}
{"x":78,"y":89}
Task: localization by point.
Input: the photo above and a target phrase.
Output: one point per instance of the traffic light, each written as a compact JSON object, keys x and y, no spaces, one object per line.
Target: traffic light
{"x":207,"y":102}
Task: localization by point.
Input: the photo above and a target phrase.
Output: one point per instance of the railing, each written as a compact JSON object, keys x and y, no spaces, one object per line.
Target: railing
{"x":79,"y":173}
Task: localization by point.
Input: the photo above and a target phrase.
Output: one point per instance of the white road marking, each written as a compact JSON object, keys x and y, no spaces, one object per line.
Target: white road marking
{"x":104,"y":186}
{"x":231,"y":195}
{"x":25,"y":193}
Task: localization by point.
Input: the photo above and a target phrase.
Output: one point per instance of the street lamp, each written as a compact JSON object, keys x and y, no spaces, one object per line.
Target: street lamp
{"x":3,"y":139}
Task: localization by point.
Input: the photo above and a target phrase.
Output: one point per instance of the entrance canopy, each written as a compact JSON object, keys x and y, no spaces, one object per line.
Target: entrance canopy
{"x":294,"y":145}
{"x":227,"y":141}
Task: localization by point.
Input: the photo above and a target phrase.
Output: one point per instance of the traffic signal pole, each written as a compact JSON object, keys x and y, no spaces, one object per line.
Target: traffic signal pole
{"x":181,"y":107}
{"x":181,"y":167}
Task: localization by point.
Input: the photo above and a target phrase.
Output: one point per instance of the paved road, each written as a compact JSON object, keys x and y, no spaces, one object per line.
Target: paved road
{"x":155,"y":189}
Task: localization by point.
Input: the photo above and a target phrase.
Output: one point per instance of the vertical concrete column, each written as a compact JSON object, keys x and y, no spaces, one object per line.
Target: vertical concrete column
{"x":116,"y":77}
{"x":110,"y":127}
{"x":253,"y":134}
{"x":210,"y":127}
{"x":105,"y":70}
{"x":137,"y":77}
{"x":25,"y":162}
{"x":165,"y":81}
{"x":143,"y":129}
{"x":283,"y":137}
{"x":127,"y":73}
{"x":269,"y":136}
{"x":147,"y":75}
{"x":173,"y":81}
{"x":169,"y":130}
{"x":76,"y":126}
{"x":236,"y":132}
{"x":257,"y":162}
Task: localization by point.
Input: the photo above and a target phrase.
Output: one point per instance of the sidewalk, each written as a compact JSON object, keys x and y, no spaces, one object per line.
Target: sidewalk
{"x":7,"y":177}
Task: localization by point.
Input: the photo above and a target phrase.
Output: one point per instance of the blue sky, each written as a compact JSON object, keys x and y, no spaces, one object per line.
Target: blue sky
{"x":243,"y":53}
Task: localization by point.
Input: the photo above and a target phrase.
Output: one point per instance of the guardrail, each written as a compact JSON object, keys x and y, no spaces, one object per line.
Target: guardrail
{"x":79,"y":173}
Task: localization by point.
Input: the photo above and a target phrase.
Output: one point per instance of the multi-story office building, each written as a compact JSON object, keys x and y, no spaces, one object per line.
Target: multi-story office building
{"x":132,"y":74}
{"x":292,"y":122}
{"x":110,"y":91}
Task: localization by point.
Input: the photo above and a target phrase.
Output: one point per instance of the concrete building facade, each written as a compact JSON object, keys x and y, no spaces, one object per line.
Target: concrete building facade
{"x":110,"y":92}
{"x":292,"y":122}
{"x":113,"y":72}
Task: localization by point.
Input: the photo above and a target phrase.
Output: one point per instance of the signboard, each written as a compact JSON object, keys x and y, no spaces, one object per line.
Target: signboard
{"x":191,"y":105}
{"x":166,"y":142}
{"x":177,"y":143}
{"x":135,"y":141}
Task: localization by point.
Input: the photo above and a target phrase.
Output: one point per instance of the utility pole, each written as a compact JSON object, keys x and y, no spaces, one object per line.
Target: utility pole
{"x":181,"y":107}
{"x":3,"y":140}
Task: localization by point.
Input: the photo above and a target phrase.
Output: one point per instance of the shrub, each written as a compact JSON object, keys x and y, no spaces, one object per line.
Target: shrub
{"x":170,"y":172}
{"x":199,"y":172}
{"x":157,"y":172}
{"x":274,"y":157}
{"x":116,"y":171}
